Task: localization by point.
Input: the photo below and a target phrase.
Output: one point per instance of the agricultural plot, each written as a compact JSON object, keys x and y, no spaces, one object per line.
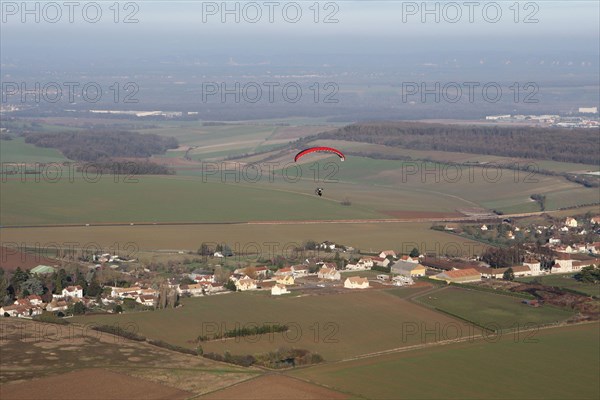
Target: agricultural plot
{"x":566,"y":281}
{"x":496,"y":312}
{"x":337,"y":326}
{"x":17,"y":151}
{"x":267,"y":239}
{"x":32,"y":350}
{"x":505,"y":369}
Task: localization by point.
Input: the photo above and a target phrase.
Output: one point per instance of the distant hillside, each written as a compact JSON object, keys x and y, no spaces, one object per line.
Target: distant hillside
{"x":565,"y":145}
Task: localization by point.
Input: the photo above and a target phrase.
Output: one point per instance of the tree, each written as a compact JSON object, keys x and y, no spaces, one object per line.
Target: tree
{"x":18,"y":278}
{"x":204,"y":250}
{"x":79,"y":308}
{"x":230,"y":285}
{"x":33,"y":286}
{"x":508,"y":275}
{"x":118,"y":309}
{"x":589,"y":274}
{"x":94,"y":289}
{"x":414,"y":252}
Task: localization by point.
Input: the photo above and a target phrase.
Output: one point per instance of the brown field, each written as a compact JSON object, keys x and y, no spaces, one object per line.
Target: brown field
{"x":421,"y":214}
{"x":11,"y":258}
{"x":90,"y":384}
{"x":275,"y":387}
{"x":364,"y":236}
{"x":32,"y":350}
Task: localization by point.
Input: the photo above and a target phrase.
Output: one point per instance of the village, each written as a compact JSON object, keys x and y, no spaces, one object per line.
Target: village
{"x":325,"y":272}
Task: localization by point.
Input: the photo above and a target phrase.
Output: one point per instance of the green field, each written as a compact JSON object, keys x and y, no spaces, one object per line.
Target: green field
{"x":17,"y":151}
{"x":551,"y":364}
{"x":566,"y":281}
{"x":337,"y":326}
{"x":491,"y":310}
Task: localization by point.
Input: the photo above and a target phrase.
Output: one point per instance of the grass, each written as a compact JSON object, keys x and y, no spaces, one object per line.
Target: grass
{"x":566,"y":281}
{"x":492,"y":310}
{"x":337,"y":326}
{"x":17,"y":151}
{"x":552,"y":364}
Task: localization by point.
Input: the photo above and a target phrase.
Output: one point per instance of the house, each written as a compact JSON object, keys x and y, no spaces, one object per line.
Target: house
{"x":57,"y":305}
{"x":410,"y":259}
{"x":562,"y":264}
{"x":356,"y":282}
{"x":194,"y":289}
{"x":595,"y":220}
{"x":554,"y":240}
{"x":34,"y":300}
{"x":129,"y":292}
{"x":285,"y":280}
{"x":245,"y":284}
{"x":380,"y":261}
{"x":535,"y":266}
{"x":300,"y":270}
{"x":11,"y":310}
{"x":484,"y":228}
{"x":146,"y":300}
{"x":593,"y":248}
{"x":285,"y":271}
{"x":387,"y":253}
{"x":408,"y":268}
{"x":326,"y":245}
{"x":459,"y":276}
{"x":261,"y":272}
{"x":367,"y":262}
{"x":278,"y":290}
{"x":329,"y":274}
{"x":73,"y":291}
{"x":571,"y":222}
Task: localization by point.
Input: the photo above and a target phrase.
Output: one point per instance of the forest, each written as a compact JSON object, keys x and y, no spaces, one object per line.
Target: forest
{"x":556,"y":144}
{"x":98,"y":145}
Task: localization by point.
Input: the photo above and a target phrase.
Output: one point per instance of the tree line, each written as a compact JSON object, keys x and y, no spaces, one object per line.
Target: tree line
{"x":557,"y":144}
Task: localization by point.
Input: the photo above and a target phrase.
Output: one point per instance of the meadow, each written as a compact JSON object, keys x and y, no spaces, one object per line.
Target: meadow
{"x":497,"y":312}
{"x":566,"y":281}
{"x":506,"y":369}
{"x":337,"y":326}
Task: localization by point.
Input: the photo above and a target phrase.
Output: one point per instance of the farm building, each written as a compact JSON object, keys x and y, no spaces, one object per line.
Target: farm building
{"x":459,"y":276}
{"x":407,"y":268}
{"x":42,"y":270}
{"x":329,"y":274}
{"x":498,"y":273}
{"x":278,"y":290}
{"x":387,"y":253}
{"x":356,"y":282}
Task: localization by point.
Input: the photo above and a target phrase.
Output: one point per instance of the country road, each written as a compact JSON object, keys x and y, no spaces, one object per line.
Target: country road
{"x":294,"y":222}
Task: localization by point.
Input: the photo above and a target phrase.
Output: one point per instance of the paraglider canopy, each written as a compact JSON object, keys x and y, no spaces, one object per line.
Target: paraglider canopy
{"x":319,"y":149}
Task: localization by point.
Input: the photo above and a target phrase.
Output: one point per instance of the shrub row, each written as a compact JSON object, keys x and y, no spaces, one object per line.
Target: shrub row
{"x":115,"y":330}
{"x":246,"y":331}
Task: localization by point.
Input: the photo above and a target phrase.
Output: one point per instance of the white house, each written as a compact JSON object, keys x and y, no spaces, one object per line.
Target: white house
{"x":146,"y":300}
{"x":299,"y":270}
{"x":534,"y":266}
{"x":73,"y":291}
{"x":278,"y":290}
{"x":356,"y":282}
{"x":329,"y":274}
{"x":571,"y":222}
{"x":484,"y":227}
{"x":367,"y":262}
{"x":380,"y":262}
{"x":285,"y":280}
{"x":387,"y":253}
{"x":410,"y":259}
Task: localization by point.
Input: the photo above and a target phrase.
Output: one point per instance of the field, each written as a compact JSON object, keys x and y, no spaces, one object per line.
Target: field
{"x":98,"y":383}
{"x":555,"y":364}
{"x":491,"y":310}
{"x":338,"y":326}
{"x":18,"y":151}
{"x":567,"y":281}
{"x":269,"y":239}
{"x":36,"y":350}
{"x":275,"y":387}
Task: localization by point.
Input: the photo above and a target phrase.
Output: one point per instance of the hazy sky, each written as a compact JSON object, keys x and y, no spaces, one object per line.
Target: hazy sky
{"x":360,"y":27}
